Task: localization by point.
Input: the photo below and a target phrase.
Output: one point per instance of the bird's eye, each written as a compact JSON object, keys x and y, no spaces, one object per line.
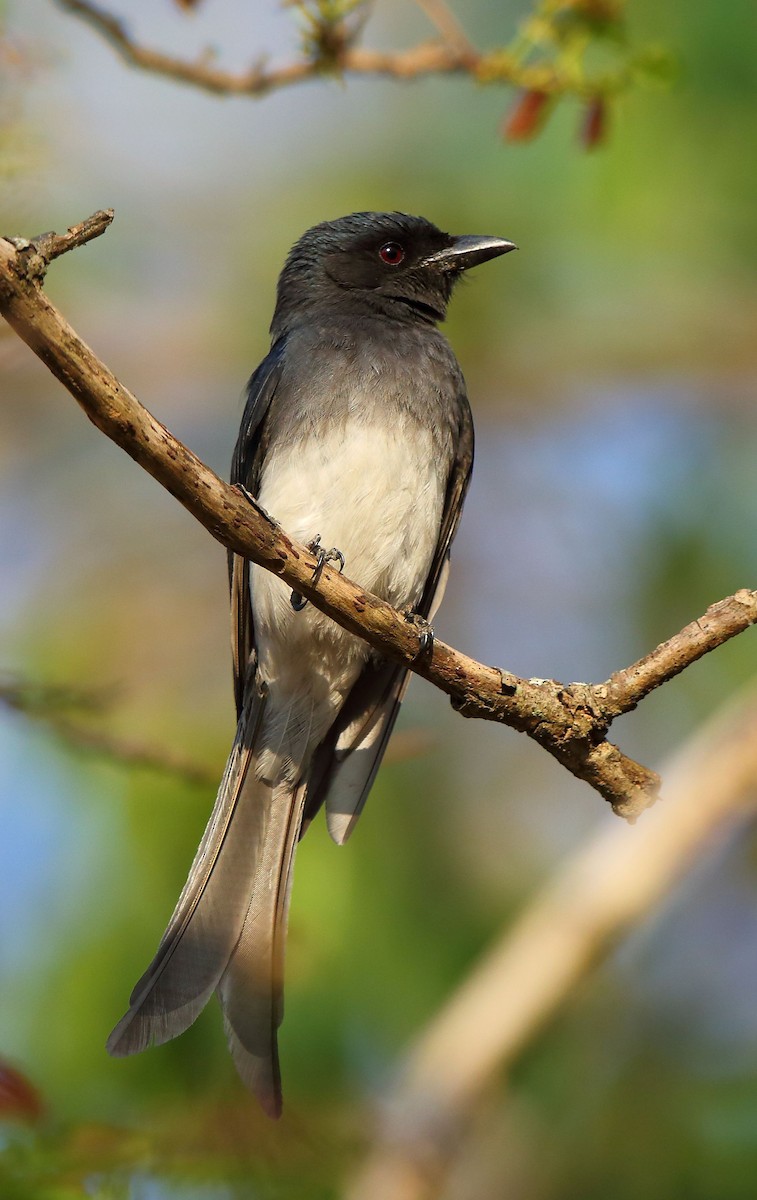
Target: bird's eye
{"x":392,"y":254}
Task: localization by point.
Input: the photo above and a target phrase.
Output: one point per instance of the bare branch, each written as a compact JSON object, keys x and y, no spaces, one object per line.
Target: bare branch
{"x":567,"y":930}
{"x":569,"y":720}
{"x":450,"y":28}
{"x":129,"y":752}
{"x":722,"y":621}
{"x":548,"y":65}
{"x":424,"y":59}
{"x":36,"y":254}
{"x":50,"y":245}
{"x":55,"y":705}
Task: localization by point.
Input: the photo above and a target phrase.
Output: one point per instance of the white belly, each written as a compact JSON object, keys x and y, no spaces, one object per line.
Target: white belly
{"x":377,"y":495}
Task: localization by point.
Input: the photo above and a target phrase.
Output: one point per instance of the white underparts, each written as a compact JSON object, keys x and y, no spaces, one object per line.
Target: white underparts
{"x":377,"y":495}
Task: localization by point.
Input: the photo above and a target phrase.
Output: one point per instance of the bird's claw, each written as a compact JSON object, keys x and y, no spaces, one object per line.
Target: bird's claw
{"x":322,"y":556}
{"x":426,"y":634}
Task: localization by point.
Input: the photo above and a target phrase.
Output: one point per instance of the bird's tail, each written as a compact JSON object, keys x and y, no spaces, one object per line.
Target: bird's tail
{"x":228,"y":929}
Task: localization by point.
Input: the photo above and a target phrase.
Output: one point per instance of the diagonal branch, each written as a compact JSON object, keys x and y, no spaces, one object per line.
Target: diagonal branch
{"x":57,"y":707}
{"x":568,"y":720}
{"x":60,"y":708}
{"x":722,"y":621}
{"x":449,"y":28}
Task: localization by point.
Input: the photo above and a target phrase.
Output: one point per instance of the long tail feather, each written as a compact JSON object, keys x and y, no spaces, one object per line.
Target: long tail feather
{"x":209,"y":916}
{"x":228,"y":930}
{"x":251,"y":990}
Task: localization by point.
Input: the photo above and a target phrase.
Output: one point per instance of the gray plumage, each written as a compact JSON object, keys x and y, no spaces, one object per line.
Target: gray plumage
{"x":357,"y":428}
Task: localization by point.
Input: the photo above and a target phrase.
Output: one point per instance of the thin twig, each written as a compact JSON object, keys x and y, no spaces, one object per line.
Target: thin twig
{"x":453,"y":55}
{"x":53,"y":706}
{"x":445,"y":21}
{"x":128,"y":752}
{"x":570,"y":721}
{"x":424,"y":59}
{"x":723,"y":620}
{"x":36,"y":254}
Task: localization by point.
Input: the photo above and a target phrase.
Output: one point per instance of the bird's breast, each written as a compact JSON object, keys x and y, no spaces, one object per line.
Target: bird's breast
{"x":372,"y":489}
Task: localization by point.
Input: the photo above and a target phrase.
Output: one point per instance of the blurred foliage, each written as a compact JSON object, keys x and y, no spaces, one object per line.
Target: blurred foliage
{"x":13,"y":63}
{"x":612,"y":367}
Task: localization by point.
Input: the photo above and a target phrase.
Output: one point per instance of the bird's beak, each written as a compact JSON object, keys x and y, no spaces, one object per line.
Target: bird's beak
{"x":468,"y":252}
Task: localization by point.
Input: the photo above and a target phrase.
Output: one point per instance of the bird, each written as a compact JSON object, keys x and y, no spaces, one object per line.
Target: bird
{"x":357,"y":435}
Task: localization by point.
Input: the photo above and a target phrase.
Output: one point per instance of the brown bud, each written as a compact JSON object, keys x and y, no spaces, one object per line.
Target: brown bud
{"x":526,"y":117}
{"x":19,"y":1099}
{"x":594,"y":125}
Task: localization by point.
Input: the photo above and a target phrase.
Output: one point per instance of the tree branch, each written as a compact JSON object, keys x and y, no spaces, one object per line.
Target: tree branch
{"x":722,"y":621}
{"x":449,"y":28}
{"x":424,"y":59}
{"x":540,"y":63}
{"x":47,"y":246}
{"x":570,"y":721}
{"x":55,"y":706}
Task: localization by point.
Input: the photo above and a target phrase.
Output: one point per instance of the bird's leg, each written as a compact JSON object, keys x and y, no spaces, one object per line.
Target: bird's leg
{"x":323,"y":556}
{"x":426,"y":633}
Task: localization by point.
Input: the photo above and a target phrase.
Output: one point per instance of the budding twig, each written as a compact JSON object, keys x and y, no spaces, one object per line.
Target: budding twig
{"x":542,"y":70}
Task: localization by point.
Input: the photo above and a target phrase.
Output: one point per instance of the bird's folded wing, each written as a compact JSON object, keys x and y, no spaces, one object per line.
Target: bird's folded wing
{"x":345,"y":765}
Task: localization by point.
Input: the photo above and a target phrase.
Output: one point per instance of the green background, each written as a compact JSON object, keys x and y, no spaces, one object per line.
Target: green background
{"x":611,"y":365}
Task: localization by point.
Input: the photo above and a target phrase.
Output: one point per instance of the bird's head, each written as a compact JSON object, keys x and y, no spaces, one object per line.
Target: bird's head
{"x":376,"y":263}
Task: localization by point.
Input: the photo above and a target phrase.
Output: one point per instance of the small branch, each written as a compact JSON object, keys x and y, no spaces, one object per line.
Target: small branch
{"x":424,"y":59}
{"x":54,"y":705}
{"x":570,"y":721}
{"x":450,"y":29}
{"x":36,"y":254}
{"x":254,"y":82}
{"x":565,"y":932}
{"x":453,"y":55}
{"x":722,"y":621}
{"x":51,"y":245}
{"x":127,"y":752}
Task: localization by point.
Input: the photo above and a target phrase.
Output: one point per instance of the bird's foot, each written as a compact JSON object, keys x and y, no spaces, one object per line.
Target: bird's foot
{"x":426,"y":634}
{"x":322,"y":557}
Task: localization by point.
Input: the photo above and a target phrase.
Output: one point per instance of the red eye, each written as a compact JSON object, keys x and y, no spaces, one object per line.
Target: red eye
{"x":392,"y":254}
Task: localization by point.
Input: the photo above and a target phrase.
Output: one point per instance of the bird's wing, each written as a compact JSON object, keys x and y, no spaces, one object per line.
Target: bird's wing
{"x":346,"y":763}
{"x":245,"y":470}
{"x":457,"y":487}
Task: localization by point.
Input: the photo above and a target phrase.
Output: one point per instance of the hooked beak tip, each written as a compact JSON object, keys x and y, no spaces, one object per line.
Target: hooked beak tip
{"x":469,"y":251}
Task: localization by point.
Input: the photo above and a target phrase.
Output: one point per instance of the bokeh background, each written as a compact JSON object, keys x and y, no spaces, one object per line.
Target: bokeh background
{"x":612,"y":366}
